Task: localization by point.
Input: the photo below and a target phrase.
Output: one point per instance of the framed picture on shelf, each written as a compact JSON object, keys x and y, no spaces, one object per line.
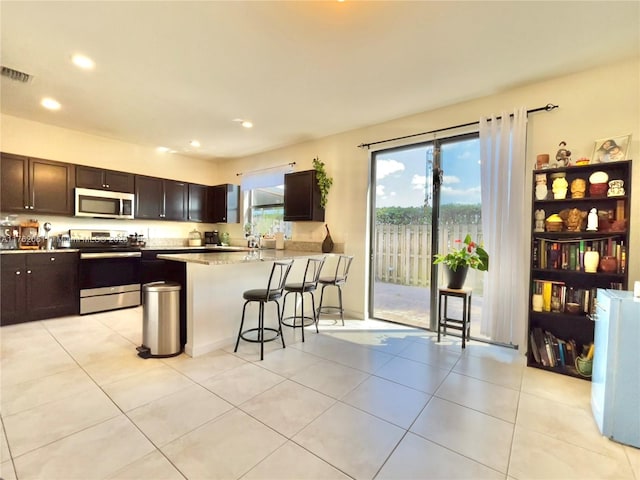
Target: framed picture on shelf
{"x":611,"y":149}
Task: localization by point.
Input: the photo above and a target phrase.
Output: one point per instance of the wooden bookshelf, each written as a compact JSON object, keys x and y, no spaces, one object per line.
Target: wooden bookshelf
{"x":560,"y":332}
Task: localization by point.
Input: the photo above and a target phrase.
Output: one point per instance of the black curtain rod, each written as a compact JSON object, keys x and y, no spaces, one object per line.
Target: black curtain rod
{"x":547,"y":108}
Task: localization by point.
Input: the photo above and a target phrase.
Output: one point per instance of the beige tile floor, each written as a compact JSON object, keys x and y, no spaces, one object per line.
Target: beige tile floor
{"x":368,"y":400}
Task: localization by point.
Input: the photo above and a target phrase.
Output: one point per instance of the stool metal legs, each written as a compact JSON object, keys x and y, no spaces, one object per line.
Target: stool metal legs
{"x":261,"y":328}
{"x":338,"y":307}
{"x":302,"y":316}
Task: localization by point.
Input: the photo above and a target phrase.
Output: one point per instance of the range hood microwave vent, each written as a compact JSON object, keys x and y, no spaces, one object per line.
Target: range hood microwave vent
{"x":16,"y":75}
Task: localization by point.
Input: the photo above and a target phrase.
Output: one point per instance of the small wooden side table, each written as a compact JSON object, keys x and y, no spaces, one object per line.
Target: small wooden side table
{"x":463,"y":324}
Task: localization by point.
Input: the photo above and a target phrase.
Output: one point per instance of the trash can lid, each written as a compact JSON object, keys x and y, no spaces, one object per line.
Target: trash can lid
{"x":161,"y":286}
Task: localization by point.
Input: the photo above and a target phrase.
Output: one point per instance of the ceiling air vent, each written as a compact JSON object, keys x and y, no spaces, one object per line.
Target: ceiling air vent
{"x":16,"y":75}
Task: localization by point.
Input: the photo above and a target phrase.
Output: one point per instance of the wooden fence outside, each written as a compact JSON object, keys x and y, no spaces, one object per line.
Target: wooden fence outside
{"x":403,"y":252}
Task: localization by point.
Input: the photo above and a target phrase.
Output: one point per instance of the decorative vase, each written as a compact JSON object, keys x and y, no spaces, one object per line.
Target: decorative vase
{"x":608,"y":264}
{"x":455,"y":279}
{"x":591,"y":260}
{"x":327,"y":243}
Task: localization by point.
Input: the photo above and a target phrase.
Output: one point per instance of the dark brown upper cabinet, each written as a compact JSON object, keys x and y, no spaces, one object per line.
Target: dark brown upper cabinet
{"x":197,"y":211}
{"x":97,"y":178}
{"x":223,"y":204}
{"x":161,"y":199}
{"x":302,"y":197}
{"x":34,"y":185}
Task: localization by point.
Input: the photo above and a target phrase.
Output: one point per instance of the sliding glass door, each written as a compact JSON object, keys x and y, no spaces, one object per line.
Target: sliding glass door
{"x":402,"y":235}
{"x":416,"y":214}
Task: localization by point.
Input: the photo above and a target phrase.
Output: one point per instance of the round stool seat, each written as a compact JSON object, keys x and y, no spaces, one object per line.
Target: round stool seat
{"x":260,"y":294}
{"x":300,"y":287}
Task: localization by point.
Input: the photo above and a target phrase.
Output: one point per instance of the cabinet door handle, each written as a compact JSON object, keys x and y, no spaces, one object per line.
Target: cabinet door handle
{"x":31,"y":207}
{"x":53,"y":259}
{"x":107,"y":185}
{"x":28,"y":271}
{"x":26,"y":207}
{"x":18,"y":272}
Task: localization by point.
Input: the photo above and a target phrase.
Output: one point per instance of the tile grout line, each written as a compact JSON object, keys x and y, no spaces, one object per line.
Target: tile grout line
{"x":115,"y":404}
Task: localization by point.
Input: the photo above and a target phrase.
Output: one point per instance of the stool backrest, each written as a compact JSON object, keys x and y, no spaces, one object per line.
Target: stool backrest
{"x":278,"y":277}
{"x":342,"y":268}
{"x":312,"y":271}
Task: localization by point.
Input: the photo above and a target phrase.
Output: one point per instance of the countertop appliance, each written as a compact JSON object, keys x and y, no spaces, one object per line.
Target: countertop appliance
{"x":103,"y":204}
{"x":64,"y":240}
{"x":615,"y":381}
{"x":109,"y":274}
{"x":212,"y":238}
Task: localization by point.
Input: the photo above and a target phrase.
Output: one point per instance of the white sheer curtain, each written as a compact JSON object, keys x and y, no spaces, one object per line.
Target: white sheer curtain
{"x":504,"y":226}
{"x":264,"y":177}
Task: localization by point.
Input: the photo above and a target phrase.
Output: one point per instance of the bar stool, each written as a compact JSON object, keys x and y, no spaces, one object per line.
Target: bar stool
{"x":309,"y":285}
{"x":272,"y":293}
{"x":338,"y":279}
{"x":463,"y":324}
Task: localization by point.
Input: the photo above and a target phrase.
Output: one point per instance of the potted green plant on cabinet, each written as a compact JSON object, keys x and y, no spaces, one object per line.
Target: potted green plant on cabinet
{"x":324,"y":181}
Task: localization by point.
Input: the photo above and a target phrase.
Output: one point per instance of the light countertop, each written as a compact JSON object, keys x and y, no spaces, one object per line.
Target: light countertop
{"x":214,"y":248}
{"x":228,"y":258}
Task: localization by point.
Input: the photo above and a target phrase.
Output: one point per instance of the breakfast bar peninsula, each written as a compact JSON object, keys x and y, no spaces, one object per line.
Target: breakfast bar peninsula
{"x":214,"y":285}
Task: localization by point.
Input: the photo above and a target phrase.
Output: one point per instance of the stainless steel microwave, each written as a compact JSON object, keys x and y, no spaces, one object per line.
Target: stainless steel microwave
{"x":104,"y":204}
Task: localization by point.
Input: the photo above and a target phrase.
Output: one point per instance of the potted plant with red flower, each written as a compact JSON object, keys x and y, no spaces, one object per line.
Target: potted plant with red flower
{"x":466,"y":254}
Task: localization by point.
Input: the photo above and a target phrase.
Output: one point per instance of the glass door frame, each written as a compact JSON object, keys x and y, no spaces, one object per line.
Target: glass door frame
{"x":436,"y":182}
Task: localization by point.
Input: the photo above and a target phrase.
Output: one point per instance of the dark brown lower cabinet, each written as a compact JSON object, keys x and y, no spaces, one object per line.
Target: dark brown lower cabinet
{"x":36,"y":286}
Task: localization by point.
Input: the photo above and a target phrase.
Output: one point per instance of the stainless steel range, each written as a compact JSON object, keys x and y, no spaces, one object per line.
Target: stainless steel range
{"x":109,"y":275}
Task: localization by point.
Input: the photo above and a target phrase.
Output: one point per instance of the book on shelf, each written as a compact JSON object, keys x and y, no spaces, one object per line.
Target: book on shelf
{"x":550,"y":351}
{"x":534,"y":348}
{"x":556,"y":295}
{"x":569,"y":255}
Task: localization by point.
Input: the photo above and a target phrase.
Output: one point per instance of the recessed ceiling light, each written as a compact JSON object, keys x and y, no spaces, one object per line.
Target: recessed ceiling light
{"x":50,"y":103}
{"x":83,"y":62}
{"x":243,"y":122}
{"x":162,"y":149}
{"x":194,"y":143}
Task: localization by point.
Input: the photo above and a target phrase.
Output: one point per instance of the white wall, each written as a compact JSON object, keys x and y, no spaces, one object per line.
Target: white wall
{"x":594,"y":104}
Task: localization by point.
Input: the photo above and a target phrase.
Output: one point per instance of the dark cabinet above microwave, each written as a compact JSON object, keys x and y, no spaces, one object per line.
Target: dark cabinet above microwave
{"x":302,"y":197}
{"x":97,"y":178}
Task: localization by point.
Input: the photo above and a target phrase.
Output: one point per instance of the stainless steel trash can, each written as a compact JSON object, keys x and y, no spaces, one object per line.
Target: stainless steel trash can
{"x":160,"y":320}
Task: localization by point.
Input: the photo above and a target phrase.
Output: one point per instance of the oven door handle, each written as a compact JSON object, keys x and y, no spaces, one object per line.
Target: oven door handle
{"x":96,"y":255}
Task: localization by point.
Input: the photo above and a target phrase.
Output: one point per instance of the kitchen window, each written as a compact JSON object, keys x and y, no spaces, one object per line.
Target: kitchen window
{"x":264,"y":202}
{"x":265,"y":211}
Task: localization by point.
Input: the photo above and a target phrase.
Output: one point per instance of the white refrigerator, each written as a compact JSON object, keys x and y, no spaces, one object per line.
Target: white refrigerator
{"x":615,"y":382}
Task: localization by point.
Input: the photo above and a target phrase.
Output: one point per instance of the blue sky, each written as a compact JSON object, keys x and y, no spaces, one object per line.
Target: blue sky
{"x":401,"y":175}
